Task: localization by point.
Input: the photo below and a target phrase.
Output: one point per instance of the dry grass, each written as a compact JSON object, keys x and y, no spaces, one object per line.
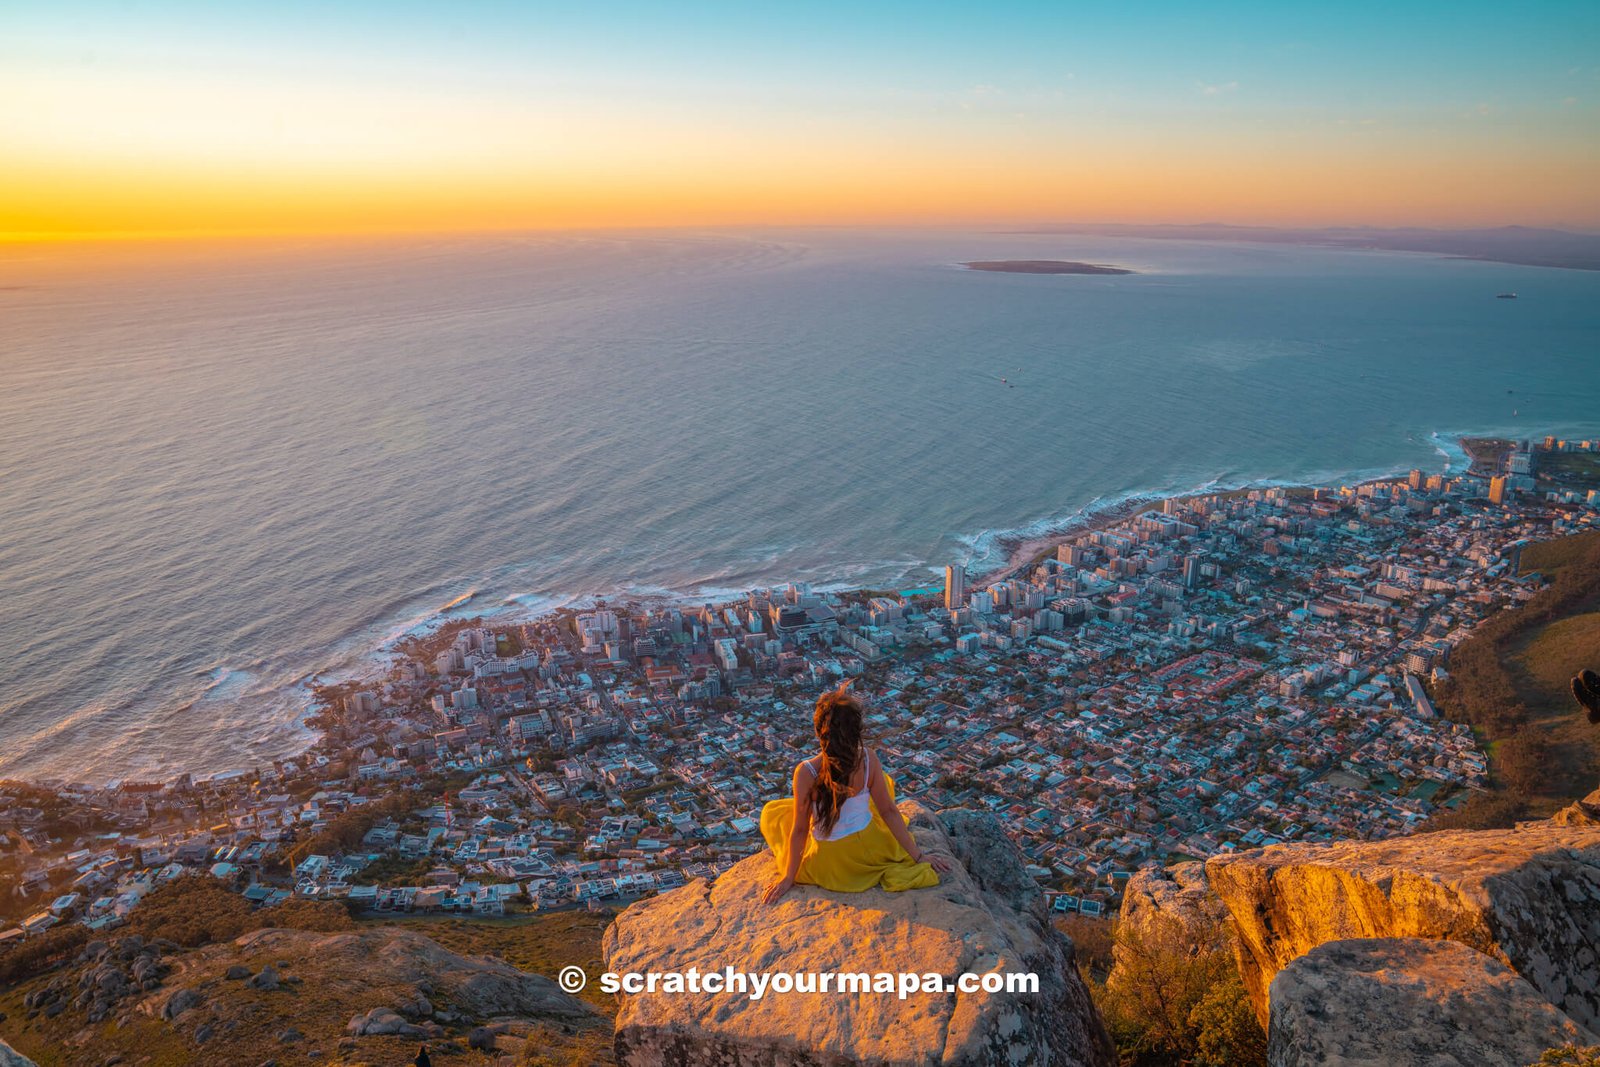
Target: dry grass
{"x":1551,"y":557}
{"x":247,"y":1021}
{"x":1542,"y":665}
{"x":540,"y":943}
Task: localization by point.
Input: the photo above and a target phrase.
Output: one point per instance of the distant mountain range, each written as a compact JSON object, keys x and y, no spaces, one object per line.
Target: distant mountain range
{"x":1523,"y":245}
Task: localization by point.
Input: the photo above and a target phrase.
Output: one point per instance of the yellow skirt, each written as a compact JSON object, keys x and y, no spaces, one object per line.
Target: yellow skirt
{"x":869,"y":857}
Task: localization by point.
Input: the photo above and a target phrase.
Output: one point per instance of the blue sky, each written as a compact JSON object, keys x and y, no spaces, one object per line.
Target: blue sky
{"x":1401,"y":93}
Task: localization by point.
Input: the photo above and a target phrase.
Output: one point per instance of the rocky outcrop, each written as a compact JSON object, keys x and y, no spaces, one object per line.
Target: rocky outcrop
{"x":383,"y":1022}
{"x":108,"y":973}
{"x":371,"y":995}
{"x":1585,"y":812}
{"x":1529,"y":897}
{"x":986,"y":916}
{"x":178,"y":1003}
{"x":1179,"y":892}
{"x":1172,"y":906}
{"x":267,"y":980}
{"x":1404,"y":1002}
{"x":10,"y":1057}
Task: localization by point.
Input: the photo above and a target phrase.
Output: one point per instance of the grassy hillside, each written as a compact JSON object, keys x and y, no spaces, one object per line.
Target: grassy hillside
{"x":1558,"y":651}
{"x":1541,"y":663}
{"x":542,"y":943}
{"x":1551,"y":558}
{"x":1510,"y":682}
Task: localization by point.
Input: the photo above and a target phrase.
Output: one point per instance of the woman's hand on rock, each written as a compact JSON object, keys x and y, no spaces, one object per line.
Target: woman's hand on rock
{"x":775,"y":889}
{"x":938,"y":863}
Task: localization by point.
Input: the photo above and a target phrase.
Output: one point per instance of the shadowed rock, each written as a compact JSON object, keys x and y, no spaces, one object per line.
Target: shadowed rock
{"x":179,"y":1002}
{"x":1403,"y":1002}
{"x":382,"y":1022}
{"x":267,"y":980}
{"x":10,"y":1057}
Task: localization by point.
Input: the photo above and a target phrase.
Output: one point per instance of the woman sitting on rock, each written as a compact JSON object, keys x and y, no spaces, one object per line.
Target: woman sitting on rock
{"x":841,"y":829}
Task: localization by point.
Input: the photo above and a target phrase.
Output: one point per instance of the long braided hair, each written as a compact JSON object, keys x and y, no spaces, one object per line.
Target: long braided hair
{"x":838,"y":722}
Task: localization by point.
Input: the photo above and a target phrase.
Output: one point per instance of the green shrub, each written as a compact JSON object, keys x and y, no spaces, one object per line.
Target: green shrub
{"x":1481,"y":811}
{"x":346,"y":830}
{"x":1174,"y":997}
{"x":38,"y":954}
{"x":199,"y":910}
{"x":1224,"y":1025}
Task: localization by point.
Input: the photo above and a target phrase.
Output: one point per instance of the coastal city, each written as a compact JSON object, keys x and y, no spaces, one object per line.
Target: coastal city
{"x":1188,"y":677}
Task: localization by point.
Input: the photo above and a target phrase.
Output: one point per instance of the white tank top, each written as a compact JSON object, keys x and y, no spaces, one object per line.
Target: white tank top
{"x":854,"y":814}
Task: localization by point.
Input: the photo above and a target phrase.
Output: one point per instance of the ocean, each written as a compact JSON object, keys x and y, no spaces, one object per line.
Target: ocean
{"x":226,"y":467}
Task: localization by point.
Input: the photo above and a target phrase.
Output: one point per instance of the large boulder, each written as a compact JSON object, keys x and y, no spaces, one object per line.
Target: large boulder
{"x":1403,"y":1002}
{"x":1529,"y":897}
{"x":986,"y":917}
{"x":1179,"y":893}
{"x":179,"y":1002}
{"x":268,"y":980}
{"x":1171,"y":907}
{"x":382,"y":1022}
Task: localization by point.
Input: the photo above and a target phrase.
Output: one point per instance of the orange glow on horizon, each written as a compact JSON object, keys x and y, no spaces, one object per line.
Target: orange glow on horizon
{"x":151,"y":154}
{"x":43,"y":202}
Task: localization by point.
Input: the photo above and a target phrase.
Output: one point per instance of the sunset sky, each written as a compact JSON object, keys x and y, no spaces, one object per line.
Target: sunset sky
{"x":316,"y":117}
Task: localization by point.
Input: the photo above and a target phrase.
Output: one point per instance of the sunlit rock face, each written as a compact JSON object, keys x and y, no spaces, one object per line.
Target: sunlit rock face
{"x":1585,"y":812}
{"x":1404,"y":1002}
{"x":988,"y":915}
{"x":1528,"y":897}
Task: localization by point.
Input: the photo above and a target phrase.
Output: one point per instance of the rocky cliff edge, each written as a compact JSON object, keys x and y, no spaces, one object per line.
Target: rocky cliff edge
{"x":986,"y":916}
{"x":1522,"y":904}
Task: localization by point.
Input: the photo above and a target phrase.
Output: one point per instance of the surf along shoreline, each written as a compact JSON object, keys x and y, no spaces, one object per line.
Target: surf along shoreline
{"x":1021,"y":552}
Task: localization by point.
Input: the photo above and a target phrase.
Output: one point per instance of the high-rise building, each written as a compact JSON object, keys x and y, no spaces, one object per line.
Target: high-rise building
{"x":1416,"y":480}
{"x":1497,"y":489}
{"x":1191,"y":571}
{"x":955,"y":586}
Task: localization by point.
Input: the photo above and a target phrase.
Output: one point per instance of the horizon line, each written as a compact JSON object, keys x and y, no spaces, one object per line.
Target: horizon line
{"x":26,"y":237}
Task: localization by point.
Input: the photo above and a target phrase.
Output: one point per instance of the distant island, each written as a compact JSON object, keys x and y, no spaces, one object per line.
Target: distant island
{"x":1044,"y":266}
{"x":1522,"y":245}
